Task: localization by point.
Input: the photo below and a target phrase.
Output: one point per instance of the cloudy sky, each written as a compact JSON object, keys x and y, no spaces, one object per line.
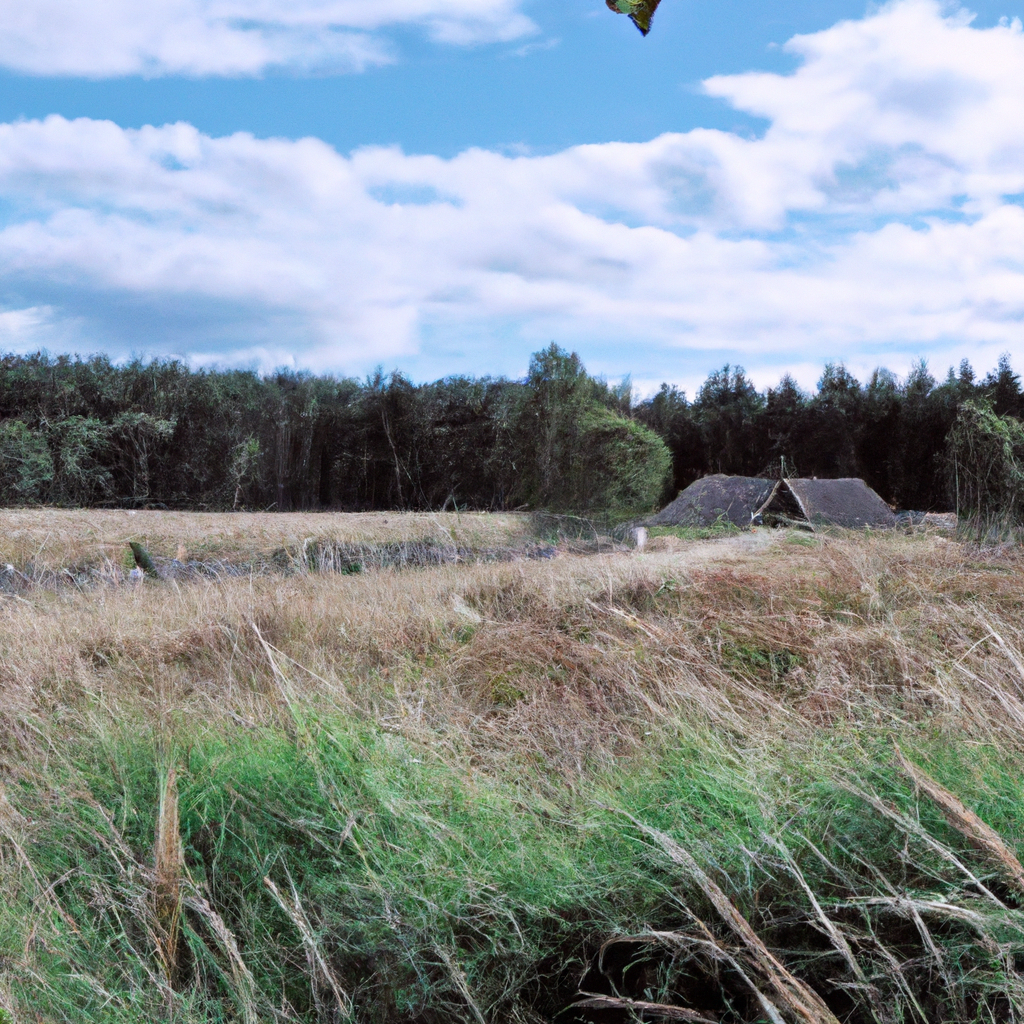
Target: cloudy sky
{"x":443,"y":186}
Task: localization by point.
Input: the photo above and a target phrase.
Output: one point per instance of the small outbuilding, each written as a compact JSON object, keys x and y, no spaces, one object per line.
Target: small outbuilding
{"x":811,"y":502}
{"x":716,"y":499}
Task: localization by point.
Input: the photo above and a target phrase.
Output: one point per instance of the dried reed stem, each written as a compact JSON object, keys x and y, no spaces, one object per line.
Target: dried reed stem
{"x":639,"y":1006}
{"x":320,"y":967}
{"x":792,"y":995}
{"x":168,"y":869}
{"x":980,"y":835}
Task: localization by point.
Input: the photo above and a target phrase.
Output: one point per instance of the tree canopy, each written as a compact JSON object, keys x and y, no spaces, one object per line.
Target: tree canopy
{"x":90,"y":432}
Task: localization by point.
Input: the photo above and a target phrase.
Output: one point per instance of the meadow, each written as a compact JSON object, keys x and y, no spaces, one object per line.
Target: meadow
{"x":765,"y":777}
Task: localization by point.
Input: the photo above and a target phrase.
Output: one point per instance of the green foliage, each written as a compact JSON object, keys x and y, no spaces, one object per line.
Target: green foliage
{"x":1003,"y":390}
{"x":86,"y":432}
{"x":392,"y":854}
{"x":890,"y":432}
{"x":727,"y":408}
{"x":623,"y":466}
{"x":161,"y":434}
{"x":986,"y":454}
{"x":26,"y":468}
{"x":81,"y":476}
{"x":137,"y":441}
{"x":586,"y":457}
{"x":766,"y":664}
{"x":552,"y":420}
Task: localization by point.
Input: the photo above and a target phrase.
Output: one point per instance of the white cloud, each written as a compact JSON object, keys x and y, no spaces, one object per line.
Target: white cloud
{"x":874,"y":221}
{"x":21,"y":330}
{"x":101,"y":38}
{"x":902,"y":111}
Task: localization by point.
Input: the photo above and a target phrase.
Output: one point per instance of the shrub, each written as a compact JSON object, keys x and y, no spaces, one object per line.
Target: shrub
{"x":578,"y":454}
{"x":624,"y":465}
{"x":986,"y":457}
{"x":26,"y":469}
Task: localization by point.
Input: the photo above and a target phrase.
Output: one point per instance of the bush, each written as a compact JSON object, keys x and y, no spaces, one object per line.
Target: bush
{"x":26,"y":469}
{"x":624,"y":465}
{"x":986,"y":457}
{"x":78,"y":445}
{"x":579,"y":455}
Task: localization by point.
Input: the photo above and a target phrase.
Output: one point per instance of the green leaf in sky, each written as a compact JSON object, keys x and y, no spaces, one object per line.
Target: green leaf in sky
{"x":640,"y":12}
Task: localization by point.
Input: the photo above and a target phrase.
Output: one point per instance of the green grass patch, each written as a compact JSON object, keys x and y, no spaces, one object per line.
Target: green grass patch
{"x":331,"y":857}
{"x":802,"y":538}
{"x":721,"y":528}
{"x":770,"y":665}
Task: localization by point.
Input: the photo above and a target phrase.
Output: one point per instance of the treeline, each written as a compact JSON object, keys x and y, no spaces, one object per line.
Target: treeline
{"x":159,"y":434}
{"x":888,"y":431}
{"x":90,"y":433}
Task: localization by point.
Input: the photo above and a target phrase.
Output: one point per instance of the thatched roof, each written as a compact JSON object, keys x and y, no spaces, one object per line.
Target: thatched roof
{"x":717,"y":498}
{"x":848,"y":502}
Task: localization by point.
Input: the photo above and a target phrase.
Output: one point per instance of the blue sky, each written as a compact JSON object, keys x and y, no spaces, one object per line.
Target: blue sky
{"x":572,"y":82}
{"x":446,"y":186}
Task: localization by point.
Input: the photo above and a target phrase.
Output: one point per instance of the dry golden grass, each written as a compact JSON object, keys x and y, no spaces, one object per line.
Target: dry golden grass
{"x":570,"y":661}
{"x":61,"y":538}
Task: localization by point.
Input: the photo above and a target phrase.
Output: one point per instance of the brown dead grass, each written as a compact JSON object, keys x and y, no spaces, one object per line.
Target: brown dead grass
{"x":563,"y":663}
{"x":56,"y":539}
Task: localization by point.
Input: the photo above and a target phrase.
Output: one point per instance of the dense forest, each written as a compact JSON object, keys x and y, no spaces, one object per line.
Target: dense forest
{"x":159,"y":434}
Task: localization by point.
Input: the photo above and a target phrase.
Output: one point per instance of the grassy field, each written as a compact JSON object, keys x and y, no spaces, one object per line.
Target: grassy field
{"x":767,"y":777}
{"x":46,"y":541}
